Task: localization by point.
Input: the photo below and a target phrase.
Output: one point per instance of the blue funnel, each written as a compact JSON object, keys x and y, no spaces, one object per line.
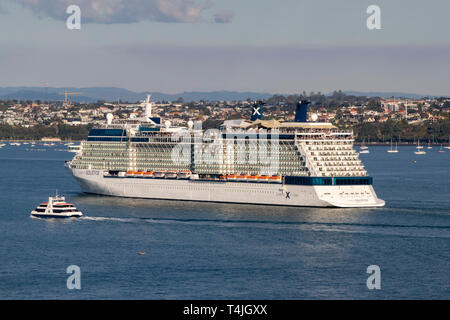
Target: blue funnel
{"x":302,"y":109}
{"x":257,"y":111}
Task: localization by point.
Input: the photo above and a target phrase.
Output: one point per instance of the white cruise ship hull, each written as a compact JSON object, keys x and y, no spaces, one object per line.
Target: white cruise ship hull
{"x":352,"y":196}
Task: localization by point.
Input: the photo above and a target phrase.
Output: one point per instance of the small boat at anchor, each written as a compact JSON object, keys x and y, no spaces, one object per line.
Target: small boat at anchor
{"x":56,"y":207}
{"x":393,"y":150}
{"x":448,"y":147}
{"x":363,"y":147}
{"x":419,"y":147}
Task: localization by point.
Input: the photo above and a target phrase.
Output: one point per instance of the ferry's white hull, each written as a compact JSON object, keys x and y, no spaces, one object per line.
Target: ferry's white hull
{"x":93,"y":181}
{"x":56,"y":215}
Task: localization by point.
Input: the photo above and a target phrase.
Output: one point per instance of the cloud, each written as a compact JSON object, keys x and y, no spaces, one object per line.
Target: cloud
{"x":126,"y":11}
{"x":224,"y":16}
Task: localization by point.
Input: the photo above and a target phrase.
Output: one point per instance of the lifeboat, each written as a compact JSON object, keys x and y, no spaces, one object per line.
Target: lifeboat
{"x":232,"y":177}
{"x":148,"y":174}
{"x":171,"y":174}
{"x":263,"y":178}
{"x":139,"y":173}
{"x":242,"y":177}
{"x":253,"y":178}
{"x":129,"y":173}
{"x":275,"y":179}
{"x":159,"y":173}
{"x":184,"y":174}
{"x":222,"y":177}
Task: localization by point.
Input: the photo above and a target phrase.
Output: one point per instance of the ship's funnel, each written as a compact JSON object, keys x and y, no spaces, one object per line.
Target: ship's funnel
{"x":148,"y":107}
{"x":257,"y":111}
{"x":302,"y":109}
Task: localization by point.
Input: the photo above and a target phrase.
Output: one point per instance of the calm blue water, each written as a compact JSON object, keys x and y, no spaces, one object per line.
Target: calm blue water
{"x":223,"y":251}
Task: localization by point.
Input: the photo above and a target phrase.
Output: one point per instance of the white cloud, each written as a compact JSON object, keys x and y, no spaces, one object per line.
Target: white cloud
{"x":126,"y":11}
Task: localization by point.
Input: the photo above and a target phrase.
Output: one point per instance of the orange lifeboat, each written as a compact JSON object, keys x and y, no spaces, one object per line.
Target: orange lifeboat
{"x":252,"y":178}
{"x":242,"y":177}
{"x":148,"y":174}
{"x":232,"y":177}
{"x":263,"y":178}
{"x":276,"y":179}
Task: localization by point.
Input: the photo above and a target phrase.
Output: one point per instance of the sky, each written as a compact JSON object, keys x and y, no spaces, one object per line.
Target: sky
{"x":275,"y":46}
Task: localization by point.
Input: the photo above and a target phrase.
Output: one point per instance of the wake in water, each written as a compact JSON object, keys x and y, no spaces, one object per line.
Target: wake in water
{"x":108,"y":219}
{"x":439,"y":231}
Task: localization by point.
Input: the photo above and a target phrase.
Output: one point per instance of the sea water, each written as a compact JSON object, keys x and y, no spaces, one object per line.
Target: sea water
{"x":157,"y":249}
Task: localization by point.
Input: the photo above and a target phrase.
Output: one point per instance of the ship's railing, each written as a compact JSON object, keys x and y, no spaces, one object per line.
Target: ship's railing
{"x":310,"y":130}
{"x":330,"y":160}
{"x":325,"y":139}
{"x":305,"y":155}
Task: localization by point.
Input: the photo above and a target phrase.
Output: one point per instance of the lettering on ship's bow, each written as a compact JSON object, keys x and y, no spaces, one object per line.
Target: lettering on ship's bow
{"x":92,"y":172}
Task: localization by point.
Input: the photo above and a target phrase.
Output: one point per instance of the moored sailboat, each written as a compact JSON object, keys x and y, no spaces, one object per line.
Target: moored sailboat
{"x":419,"y":147}
{"x":393,"y":150}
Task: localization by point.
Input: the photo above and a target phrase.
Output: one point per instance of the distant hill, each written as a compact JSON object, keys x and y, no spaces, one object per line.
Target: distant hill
{"x":387,"y":94}
{"x":112,"y":94}
{"x":36,"y":95}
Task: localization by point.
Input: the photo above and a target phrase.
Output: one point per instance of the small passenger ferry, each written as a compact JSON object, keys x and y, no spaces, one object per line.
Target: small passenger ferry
{"x":56,"y":207}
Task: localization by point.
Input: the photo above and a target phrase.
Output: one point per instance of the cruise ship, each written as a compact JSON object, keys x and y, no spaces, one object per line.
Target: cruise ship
{"x":251,"y":161}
